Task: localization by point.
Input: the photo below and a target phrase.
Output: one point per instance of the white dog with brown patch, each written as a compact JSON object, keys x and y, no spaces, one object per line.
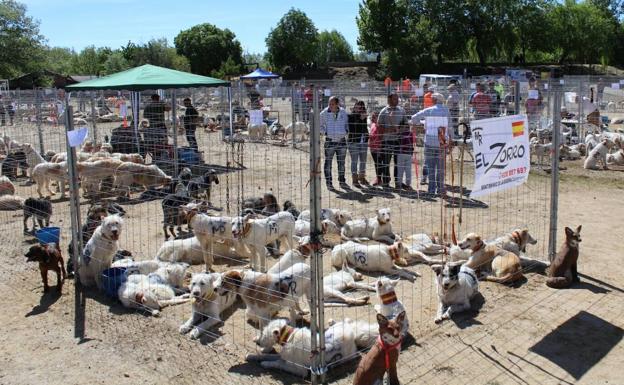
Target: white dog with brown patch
{"x":338,"y":216}
{"x":98,"y":254}
{"x":505,"y":266}
{"x":374,"y":257}
{"x":207,"y":305}
{"x":144,"y":293}
{"x":456,"y":285}
{"x":129,"y":173}
{"x":598,"y":155}
{"x":265,"y":294}
{"x":377,"y":229}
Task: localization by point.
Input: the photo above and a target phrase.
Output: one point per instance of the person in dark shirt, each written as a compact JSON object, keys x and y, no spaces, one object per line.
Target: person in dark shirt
{"x":156,"y":135}
{"x":190,"y":123}
{"x":357,"y":142}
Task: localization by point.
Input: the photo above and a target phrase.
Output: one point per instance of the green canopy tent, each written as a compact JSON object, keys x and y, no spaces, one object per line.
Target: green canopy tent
{"x":150,"y":77}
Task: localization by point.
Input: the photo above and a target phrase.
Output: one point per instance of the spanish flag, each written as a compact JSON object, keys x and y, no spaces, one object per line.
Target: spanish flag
{"x":517,"y":128}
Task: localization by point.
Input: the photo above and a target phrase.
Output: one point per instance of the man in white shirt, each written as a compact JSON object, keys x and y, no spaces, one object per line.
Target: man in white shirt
{"x":334,"y":125}
{"x":435,"y":148}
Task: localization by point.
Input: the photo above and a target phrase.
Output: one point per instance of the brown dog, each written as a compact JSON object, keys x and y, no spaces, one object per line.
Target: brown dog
{"x":49,"y":258}
{"x":383,"y":356}
{"x":505,"y":266}
{"x":563,"y":271}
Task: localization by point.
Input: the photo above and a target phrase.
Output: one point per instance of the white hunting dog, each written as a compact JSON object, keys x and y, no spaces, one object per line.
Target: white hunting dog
{"x":456,"y":285}
{"x":377,"y":229}
{"x":389,"y":305}
{"x":141,"y":292}
{"x":98,"y":254}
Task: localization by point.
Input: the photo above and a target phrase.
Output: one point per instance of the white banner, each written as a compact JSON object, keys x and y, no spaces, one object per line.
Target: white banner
{"x":256,"y":117}
{"x":502,"y":158}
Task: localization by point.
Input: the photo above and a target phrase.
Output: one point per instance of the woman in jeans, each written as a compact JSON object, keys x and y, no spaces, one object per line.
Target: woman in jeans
{"x":374,"y":143}
{"x":357,"y":143}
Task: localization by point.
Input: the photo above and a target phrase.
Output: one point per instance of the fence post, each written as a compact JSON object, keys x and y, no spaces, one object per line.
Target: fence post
{"x":174,"y":115}
{"x":74,"y":197}
{"x":94,"y":118}
{"x":554,"y":175}
{"x":293,"y":104}
{"x":317,"y":316}
{"x":38,"y":117}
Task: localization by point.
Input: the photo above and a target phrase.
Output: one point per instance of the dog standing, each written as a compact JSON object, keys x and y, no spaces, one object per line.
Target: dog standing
{"x":563,"y":271}
{"x":383,"y":356}
{"x":49,"y":258}
{"x":207,"y":305}
{"x":99,"y":252}
{"x":201,"y":187}
{"x":456,"y":285}
{"x":40,"y":210}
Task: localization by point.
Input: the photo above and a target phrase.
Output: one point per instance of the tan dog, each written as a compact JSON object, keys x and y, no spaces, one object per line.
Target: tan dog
{"x":563,"y":271}
{"x":505,"y":266}
{"x":516,"y":241}
{"x":129,"y":173}
{"x":92,"y":173}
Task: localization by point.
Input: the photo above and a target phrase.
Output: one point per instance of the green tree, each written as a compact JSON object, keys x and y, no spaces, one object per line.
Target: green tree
{"x":60,"y":60}
{"x":157,"y":52}
{"x":116,"y":62}
{"x":382,"y":24}
{"x":293,"y":42}
{"x":207,"y":47}
{"x":21,"y":44}
{"x":332,"y":46}
{"x":90,"y":61}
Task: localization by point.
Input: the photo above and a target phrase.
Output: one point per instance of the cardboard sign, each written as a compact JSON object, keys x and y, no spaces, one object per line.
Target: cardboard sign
{"x":501,"y":151}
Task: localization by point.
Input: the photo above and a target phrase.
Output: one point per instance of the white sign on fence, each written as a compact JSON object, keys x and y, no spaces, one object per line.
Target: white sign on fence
{"x":77,"y":137}
{"x":501,"y":148}
{"x":419,"y":92}
{"x":615,"y":86}
{"x":327,"y":92}
{"x":255,"y":117}
{"x":269,"y":93}
{"x":621,"y":81}
{"x":533,"y":94}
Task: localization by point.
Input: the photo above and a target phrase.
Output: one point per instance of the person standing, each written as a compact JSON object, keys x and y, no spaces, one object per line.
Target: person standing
{"x":357,"y":143}
{"x":533,"y":106}
{"x":389,"y":123}
{"x":436,"y":142}
{"x":452,"y":102}
{"x":156,"y":135}
{"x":2,"y":112}
{"x":334,"y":125}
{"x":404,"y":159}
{"x":481,"y":102}
{"x":495,"y":97}
{"x":191,"y":116}
{"x":374,"y":143}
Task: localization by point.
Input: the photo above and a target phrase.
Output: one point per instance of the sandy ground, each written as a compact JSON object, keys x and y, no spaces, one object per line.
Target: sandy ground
{"x":527,"y":334}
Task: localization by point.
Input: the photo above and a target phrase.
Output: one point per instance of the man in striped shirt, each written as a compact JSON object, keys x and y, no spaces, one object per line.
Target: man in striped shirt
{"x":334,"y":125}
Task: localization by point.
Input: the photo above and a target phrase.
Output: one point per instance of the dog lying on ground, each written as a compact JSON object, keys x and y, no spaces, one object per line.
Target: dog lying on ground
{"x":338,"y":216}
{"x":300,"y":131}
{"x":99,"y":251}
{"x":376,"y":229}
{"x":505,"y":266}
{"x":141,"y":292}
{"x":389,"y":305}
{"x":129,"y":173}
{"x":49,"y":258}
{"x":207,"y":305}
{"x":296,"y":343}
{"x":265,"y":205}
{"x":346,"y":279}
{"x":616,"y":158}
{"x":456,"y":285}
{"x":265,"y":294}
{"x":383,"y":356}
{"x":40,"y":210}
{"x":11,"y":202}
{"x":516,"y":241}
{"x":188,"y":250}
{"x":374,"y":257}
{"x":563,"y":271}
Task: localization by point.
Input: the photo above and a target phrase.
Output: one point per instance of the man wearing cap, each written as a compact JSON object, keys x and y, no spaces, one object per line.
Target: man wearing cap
{"x":436,"y":144}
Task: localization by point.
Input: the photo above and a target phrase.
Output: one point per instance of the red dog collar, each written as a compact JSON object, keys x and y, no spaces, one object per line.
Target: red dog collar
{"x":387,"y":349}
{"x":516,"y":237}
{"x":285,"y":333}
{"x":394,"y":252}
{"x":388,"y":298}
{"x":479,"y":247}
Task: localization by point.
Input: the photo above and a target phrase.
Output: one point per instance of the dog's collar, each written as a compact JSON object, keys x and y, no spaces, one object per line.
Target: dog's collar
{"x":388,"y":298}
{"x":516,"y":237}
{"x":138,"y":298}
{"x":471,"y":275}
{"x":388,"y":348}
{"x":246,"y":229}
{"x":285,"y":332}
{"x":210,"y":297}
{"x":394,"y":252}
{"x":479,"y":246}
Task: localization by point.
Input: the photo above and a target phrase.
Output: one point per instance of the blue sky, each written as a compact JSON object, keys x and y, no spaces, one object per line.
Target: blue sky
{"x":79,"y":23}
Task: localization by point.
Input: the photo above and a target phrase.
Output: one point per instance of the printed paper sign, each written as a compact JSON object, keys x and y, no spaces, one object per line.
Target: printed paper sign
{"x":77,"y":137}
{"x":255,"y":116}
{"x":327,"y":92}
{"x":570,"y":97}
{"x":533,"y":94}
{"x":473,"y":86}
{"x":621,"y":81}
{"x":362,"y":85}
{"x":561,"y":81}
{"x":615,"y":86}
{"x":269,"y":92}
{"x":502,"y":158}
{"x":419,"y":92}
{"x":545,"y":86}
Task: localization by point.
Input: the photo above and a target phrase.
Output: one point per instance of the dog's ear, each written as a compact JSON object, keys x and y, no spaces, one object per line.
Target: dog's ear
{"x":568,"y":232}
{"x":234,"y":277}
{"x":395,"y":282}
{"x":578,"y":229}
{"x":437,"y":269}
{"x":382,"y":320}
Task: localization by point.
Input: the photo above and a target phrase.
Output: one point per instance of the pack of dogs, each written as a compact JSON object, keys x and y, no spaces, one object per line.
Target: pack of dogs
{"x":358,"y":247}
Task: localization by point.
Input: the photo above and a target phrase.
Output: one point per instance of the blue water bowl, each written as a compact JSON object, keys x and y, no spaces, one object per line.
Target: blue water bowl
{"x":48,"y":235}
{"x":188,"y":155}
{"x":112,"y":279}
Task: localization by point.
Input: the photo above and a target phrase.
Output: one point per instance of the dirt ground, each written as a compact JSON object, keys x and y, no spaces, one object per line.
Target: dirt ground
{"x":526,"y":334}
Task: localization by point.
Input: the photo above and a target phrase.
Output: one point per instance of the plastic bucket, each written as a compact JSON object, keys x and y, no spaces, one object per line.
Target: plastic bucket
{"x":48,"y":235}
{"x":112,"y":279}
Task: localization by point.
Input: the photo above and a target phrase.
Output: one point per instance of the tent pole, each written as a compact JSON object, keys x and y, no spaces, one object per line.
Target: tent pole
{"x":136,"y":103}
{"x":175,"y":132}
{"x":230,"y":134}
{"x":93,"y":118}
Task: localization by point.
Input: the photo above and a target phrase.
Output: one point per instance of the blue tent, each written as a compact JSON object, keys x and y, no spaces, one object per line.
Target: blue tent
{"x":259,"y":73}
